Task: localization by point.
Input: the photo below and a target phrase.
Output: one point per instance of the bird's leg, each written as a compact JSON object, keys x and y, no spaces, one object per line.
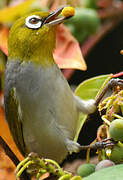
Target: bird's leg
{"x":86,"y":107}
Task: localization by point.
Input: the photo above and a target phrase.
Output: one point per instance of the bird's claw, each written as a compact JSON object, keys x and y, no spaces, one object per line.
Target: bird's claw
{"x":111,"y":83}
{"x":115,"y":82}
{"x":103,"y":144}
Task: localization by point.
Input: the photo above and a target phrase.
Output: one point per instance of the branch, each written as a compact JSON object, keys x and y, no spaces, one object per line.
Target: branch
{"x":13,"y":158}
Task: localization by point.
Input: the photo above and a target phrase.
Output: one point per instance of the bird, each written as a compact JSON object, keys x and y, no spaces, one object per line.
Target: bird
{"x":41,"y":109}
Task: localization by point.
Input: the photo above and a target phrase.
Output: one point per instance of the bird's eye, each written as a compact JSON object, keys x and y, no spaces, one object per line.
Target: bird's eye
{"x":33,"y":22}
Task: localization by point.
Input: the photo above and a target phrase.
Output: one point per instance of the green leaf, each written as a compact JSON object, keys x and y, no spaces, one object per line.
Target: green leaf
{"x":88,"y":90}
{"x":110,"y":173}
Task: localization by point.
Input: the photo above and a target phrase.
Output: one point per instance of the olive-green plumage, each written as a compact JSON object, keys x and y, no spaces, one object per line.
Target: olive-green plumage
{"x":14,"y":121}
{"x":27,"y":43}
{"x":41,"y":110}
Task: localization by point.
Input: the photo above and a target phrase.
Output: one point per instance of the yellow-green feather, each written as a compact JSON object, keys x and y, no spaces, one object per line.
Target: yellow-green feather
{"x":14,"y":121}
{"x":35,"y":45}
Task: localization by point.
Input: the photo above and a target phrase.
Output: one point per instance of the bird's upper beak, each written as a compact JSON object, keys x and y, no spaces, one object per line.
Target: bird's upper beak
{"x":53,"y":18}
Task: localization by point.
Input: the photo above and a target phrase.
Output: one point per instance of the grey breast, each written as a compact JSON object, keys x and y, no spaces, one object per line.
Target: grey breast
{"x":47,"y":103}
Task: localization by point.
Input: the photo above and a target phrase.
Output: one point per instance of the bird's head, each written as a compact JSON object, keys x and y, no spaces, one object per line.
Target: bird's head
{"x":32,"y":37}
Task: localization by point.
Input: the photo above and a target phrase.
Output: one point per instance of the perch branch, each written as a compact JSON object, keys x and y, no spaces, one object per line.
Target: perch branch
{"x":13,"y":157}
{"x":9,"y":152}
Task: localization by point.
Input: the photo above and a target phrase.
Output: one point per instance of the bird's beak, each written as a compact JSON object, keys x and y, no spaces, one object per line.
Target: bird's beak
{"x":53,"y":18}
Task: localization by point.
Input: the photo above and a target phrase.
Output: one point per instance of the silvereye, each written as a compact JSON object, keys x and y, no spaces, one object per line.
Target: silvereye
{"x":40,"y":108}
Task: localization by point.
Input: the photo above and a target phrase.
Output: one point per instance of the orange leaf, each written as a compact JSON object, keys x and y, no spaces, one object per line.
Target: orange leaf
{"x":4,"y":39}
{"x":7,"y":174}
{"x":7,"y":168}
{"x":5,"y":133}
{"x":67,"y":53}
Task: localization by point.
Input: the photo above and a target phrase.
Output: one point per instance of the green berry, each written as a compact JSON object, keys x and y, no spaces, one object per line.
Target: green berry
{"x":116,"y":130}
{"x":86,"y":169}
{"x":117,"y":153}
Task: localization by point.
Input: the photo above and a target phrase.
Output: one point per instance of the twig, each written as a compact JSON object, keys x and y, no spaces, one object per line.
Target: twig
{"x":13,"y":157}
{"x":9,"y":152}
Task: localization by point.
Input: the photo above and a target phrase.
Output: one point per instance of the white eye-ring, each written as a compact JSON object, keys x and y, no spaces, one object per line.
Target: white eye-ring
{"x":33,"y":22}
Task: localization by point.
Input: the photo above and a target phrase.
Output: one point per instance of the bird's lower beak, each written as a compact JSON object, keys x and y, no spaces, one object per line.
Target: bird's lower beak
{"x":53,"y":18}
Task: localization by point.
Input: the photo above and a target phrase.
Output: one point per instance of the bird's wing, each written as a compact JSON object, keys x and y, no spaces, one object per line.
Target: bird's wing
{"x":13,"y":119}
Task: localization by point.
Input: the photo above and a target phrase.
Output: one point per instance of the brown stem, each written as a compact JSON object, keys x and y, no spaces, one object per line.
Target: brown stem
{"x":13,"y":157}
{"x":9,"y":152}
{"x":110,"y":84}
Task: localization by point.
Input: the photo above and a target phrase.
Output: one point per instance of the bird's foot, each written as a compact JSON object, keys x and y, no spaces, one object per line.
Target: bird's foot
{"x":103,"y":144}
{"x":100,"y":145}
{"x":111,"y":84}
